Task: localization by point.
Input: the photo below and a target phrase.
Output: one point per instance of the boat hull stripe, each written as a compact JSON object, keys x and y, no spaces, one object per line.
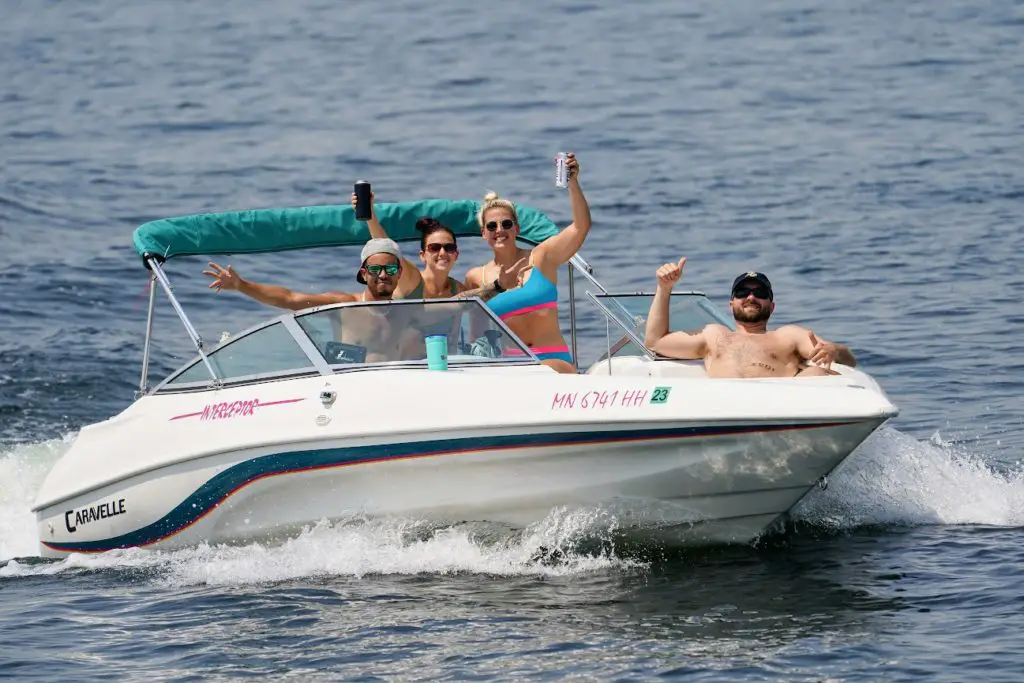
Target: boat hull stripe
{"x":222,"y":486}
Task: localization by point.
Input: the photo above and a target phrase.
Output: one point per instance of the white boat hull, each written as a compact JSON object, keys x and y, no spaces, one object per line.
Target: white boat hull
{"x":334,"y":412}
{"x":656,"y":466}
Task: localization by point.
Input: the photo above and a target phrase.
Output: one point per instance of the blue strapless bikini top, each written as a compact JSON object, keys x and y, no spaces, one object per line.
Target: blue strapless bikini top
{"x":536,"y":294}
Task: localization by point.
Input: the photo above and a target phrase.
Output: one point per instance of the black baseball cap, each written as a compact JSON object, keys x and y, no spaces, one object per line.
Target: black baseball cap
{"x":758,"y":277}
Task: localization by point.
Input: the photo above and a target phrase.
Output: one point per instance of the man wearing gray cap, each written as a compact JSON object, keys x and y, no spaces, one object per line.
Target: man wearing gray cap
{"x":379,"y":269}
{"x":380,"y":335}
{"x":752,"y":350}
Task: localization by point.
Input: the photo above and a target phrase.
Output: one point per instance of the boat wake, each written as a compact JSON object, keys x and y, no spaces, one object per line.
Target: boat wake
{"x":896,"y":480}
{"x":22,"y":470}
{"x":360,"y":548}
{"x":891,"y":480}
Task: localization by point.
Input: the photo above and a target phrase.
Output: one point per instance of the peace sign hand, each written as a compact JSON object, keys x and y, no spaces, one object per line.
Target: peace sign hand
{"x":223,"y":278}
{"x":508,"y":278}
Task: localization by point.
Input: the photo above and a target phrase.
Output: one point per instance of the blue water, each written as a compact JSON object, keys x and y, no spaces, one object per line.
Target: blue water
{"x":865,"y":154}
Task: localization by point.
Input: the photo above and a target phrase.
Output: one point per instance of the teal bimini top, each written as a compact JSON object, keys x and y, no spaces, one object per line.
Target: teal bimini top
{"x":306,"y":227}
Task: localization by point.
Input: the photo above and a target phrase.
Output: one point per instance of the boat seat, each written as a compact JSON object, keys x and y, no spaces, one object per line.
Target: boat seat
{"x":642,"y":366}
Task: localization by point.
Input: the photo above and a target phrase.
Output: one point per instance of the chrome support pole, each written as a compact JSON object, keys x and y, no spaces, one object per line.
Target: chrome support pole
{"x":608,"y":343}
{"x":582,"y":263}
{"x":144,"y":380}
{"x":572,"y":312}
{"x":577,"y":263}
{"x":586,"y":271}
{"x":196,"y":339}
{"x":307,"y":346}
{"x":629,"y":333}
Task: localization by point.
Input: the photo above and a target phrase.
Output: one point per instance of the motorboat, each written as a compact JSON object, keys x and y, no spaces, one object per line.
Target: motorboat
{"x":309,"y":416}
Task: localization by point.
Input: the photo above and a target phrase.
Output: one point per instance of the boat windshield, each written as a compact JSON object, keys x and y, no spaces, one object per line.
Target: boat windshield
{"x":688,"y":312}
{"x":396,"y":331}
{"x":267,"y":351}
{"x":329,"y":339}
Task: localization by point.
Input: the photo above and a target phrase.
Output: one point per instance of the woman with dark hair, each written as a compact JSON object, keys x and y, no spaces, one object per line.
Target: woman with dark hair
{"x":439,"y":251}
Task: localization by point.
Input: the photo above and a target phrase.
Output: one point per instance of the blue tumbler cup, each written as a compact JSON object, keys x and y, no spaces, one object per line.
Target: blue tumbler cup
{"x":437,"y":352}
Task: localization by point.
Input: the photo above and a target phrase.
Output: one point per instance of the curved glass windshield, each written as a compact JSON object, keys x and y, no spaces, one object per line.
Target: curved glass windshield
{"x":268,"y":350}
{"x":688,"y":312}
{"x":383,"y":332}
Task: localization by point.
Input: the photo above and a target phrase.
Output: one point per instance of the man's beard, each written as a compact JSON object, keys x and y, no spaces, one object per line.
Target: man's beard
{"x":742,"y":315}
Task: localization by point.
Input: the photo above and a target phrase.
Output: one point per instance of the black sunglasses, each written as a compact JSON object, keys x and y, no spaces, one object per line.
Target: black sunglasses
{"x":760,"y":291}
{"x":507,"y":223}
{"x":375,"y":270}
{"x":436,"y":247}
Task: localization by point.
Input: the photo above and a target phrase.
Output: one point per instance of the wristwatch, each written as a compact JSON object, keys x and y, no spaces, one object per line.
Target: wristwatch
{"x":497,"y":286}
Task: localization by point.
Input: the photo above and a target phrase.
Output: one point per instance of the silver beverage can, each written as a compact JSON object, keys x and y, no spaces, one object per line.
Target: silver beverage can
{"x":562,"y":170}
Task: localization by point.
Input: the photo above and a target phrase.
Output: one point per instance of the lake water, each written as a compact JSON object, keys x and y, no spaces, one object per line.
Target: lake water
{"x":865,"y":154}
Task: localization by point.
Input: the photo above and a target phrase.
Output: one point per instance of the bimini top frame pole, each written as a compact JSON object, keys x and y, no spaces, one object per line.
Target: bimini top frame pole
{"x":630,"y":334}
{"x":158,"y":273}
{"x":576,"y":263}
{"x":144,"y":380}
{"x":586,"y":270}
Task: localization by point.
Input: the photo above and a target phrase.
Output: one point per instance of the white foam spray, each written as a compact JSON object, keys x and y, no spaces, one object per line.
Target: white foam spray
{"x":358,"y":548}
{"x":892,"y":479}
{"x":22,"y":470}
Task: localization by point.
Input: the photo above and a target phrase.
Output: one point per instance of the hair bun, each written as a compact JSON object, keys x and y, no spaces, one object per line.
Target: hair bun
{"x":427,"y":224}
{"x":490,"y":196}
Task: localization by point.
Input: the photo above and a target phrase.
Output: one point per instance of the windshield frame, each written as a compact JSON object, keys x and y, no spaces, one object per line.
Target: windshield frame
{"x":320,"y":366}
{"x":528,"y":357}
{"x":629,"y":334}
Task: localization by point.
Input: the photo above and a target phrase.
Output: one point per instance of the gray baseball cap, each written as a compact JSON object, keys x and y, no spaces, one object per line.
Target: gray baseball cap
{"x":378,"y":245}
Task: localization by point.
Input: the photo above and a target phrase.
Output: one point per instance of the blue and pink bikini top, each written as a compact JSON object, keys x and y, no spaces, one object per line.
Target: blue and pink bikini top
{"x":536,"y":294}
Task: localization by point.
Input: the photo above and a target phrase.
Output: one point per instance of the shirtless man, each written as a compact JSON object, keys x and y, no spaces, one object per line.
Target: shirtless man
{"x":385,"y":331}
{"x":752,"y":350}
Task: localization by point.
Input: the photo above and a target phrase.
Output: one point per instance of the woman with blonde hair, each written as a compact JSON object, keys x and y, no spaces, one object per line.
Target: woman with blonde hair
{"x":531,"y":309}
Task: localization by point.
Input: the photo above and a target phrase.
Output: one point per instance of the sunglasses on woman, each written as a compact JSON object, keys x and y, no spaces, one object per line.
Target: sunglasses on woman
{"x":507,"y":224}
{"x":436,"y":247}
{"x":375,"y":269}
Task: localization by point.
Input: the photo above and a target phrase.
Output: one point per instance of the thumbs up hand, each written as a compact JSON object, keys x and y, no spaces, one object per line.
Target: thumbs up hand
{"x":669,"y":274}
{"x":823,"y":353}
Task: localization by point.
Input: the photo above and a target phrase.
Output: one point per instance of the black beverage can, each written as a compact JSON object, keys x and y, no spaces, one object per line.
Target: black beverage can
{"x":364,"y":208}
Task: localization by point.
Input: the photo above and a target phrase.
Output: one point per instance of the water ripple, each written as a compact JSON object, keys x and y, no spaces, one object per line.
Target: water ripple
{"x":864,"y":154}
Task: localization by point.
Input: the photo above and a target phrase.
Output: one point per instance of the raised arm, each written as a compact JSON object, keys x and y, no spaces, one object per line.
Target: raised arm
{"x":681,"y":345}
{"x":410,"y":277}
{"x":657,"y":318}
{"x":507,"y":279}
{"x":558,"y":249}
{"x":819,"y":351}
{"x":271,"y":295}
{"x":656,"y":335}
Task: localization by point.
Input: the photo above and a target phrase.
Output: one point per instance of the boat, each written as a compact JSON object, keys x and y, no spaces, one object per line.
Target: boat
{"x":287,"y":424}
